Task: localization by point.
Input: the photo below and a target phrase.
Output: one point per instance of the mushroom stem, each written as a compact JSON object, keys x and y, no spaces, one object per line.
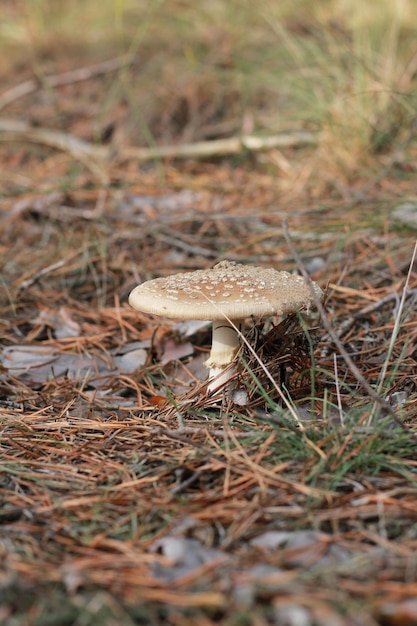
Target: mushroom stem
{"x":225,"y":346}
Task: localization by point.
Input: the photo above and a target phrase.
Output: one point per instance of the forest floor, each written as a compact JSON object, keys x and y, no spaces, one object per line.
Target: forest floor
{"x":129,"y":496}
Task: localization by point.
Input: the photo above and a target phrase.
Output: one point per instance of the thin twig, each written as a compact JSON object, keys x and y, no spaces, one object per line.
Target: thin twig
{"x":175,"y":242}
{"x":48,"y":270}
{"x":187,"y":482}
{"x":60,"y":80}
{"x":221,"y":147}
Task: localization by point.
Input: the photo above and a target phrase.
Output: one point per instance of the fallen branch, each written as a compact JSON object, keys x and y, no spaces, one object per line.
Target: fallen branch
{"x":15,"y":130}
{"x":222,"y":147}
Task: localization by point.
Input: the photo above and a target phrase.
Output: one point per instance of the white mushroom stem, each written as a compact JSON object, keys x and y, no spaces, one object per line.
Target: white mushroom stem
{"x":225,"y":346}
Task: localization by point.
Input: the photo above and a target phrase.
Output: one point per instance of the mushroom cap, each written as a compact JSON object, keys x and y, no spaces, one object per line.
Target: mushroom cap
{"x":228,"y":290}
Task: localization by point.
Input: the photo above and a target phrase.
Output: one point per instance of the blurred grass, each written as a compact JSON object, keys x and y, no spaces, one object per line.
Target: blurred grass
{"x":207,"y":69}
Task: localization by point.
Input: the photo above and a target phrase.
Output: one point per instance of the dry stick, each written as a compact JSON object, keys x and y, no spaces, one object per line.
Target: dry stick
{"x":333,"y":335}
{"x":60,"y":80}
{"x":48,"y":270}
{"x":15,"y":130}
{"x":221,"y":147}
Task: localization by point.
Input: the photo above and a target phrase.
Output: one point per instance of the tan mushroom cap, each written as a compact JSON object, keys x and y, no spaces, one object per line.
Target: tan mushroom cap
{"x":227,"y":290}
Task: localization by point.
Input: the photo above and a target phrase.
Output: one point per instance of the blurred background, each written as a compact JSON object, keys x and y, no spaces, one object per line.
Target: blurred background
{"x":209,"y":69}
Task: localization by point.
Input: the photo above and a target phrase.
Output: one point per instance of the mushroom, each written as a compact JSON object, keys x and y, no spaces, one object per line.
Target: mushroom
{"x":225,"y":294}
